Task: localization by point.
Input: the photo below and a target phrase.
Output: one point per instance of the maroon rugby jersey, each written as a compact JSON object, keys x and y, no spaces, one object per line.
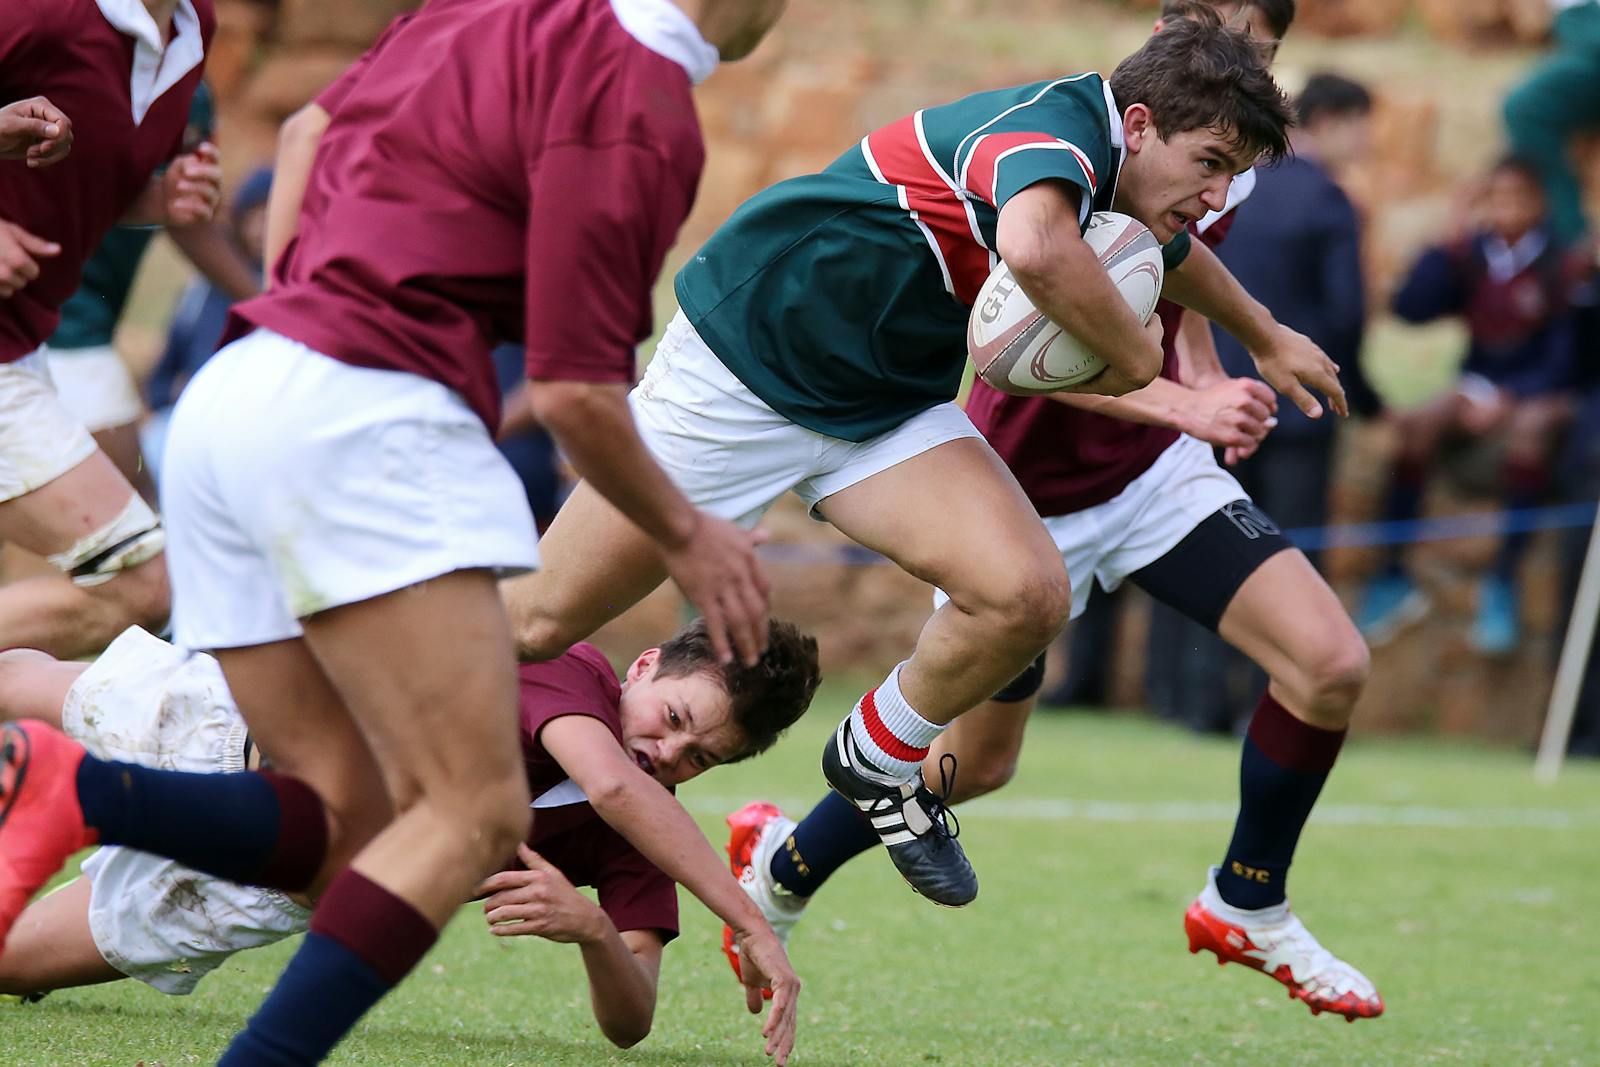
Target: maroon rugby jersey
{"x":1068,"y":459}
{"x":99,"y":62}
{"x":634,"y":893}
{"x":499,"y":171}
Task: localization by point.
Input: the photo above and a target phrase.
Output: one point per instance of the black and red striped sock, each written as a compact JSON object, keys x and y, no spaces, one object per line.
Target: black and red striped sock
{"x":1281,"y":772}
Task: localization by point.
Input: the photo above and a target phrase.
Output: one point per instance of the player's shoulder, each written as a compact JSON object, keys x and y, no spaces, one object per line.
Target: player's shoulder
{"x":582,"y":659}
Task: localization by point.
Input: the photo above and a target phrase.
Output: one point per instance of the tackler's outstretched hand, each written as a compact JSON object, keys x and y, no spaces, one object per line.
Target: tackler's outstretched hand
{"x":35,"y":130}
{"x":1294,"y":365}
{"x":766,"y":966}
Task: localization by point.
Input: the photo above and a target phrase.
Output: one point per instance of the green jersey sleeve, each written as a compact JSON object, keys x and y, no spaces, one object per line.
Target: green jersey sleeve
{"x":1049,"y":138}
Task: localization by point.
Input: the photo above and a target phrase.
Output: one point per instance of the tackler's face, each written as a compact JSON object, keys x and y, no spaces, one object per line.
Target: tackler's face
{"x":1169,"y":182}
{"x":679,"y":726}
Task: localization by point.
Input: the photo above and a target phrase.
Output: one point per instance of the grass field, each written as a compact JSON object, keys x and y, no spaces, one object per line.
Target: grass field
{"x":1467,"y":892}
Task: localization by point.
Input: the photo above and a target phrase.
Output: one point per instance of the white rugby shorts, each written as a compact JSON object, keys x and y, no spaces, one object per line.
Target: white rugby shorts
{"x":293,"y":483}
{"x":734,"y":456}
{"x":40,"y":439}
{"x":95,"y":385}
{"x":1144,"y":522}
{"x":144,"y":701}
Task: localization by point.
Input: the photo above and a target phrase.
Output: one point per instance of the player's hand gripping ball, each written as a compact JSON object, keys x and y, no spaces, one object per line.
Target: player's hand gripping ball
{"x":1019,"y":351}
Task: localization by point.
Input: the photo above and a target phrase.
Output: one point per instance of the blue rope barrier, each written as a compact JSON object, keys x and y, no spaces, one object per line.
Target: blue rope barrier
{"x":1309,"y":538}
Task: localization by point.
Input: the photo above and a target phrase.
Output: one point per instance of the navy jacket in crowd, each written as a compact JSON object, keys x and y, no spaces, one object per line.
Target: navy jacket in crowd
{"x":1516,"y":304}
{"x":1296,"y":247}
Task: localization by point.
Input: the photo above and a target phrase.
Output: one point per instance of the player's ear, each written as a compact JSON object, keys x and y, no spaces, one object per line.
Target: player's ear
{"x":1137,"y":125}
{"x":645,"y":665}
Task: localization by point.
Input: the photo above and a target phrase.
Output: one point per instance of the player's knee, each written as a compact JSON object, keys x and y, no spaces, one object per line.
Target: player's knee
{"x":1036,"y":604}
{"x":989,"y":772}
{"x":1338,"y":674}
{"x":503,"y":817}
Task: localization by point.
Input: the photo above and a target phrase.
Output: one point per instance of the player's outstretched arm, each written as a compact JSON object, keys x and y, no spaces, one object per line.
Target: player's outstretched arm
{"x":298,"y":139}
{"x":1039,"y":238}
{"x":1290,"y":361}
{"x":1234,"y":414}
{"x":187,"y":192}
{"x":651,"y":819}
{"x":623,"y":968}
{"x":713,"y":561}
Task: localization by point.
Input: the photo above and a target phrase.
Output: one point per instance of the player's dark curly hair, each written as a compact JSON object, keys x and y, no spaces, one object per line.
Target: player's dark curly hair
{"x":765,"y":699}
{"x":1199,"y":74}
{"x":1279,"y":14}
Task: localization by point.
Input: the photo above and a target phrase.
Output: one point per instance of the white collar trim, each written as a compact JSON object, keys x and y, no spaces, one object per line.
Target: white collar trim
{"x":154,"y":70}
{"x":661,"y":26}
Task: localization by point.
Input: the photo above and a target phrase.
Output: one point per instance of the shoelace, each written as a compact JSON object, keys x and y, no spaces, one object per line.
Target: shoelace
{"x":937,"y":805}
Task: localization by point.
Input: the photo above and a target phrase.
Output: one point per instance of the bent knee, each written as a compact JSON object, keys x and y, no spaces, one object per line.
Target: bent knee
{"x":544,"y":637}
{"x":979,"y":777}
{"x":1038,"y":605}
{"x":1336,"y":677}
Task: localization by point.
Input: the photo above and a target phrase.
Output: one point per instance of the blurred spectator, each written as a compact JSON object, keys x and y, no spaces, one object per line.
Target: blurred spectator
{"x":1296,"y":247}
{"x":1581,"y":481}
{"x":1510,"y":280}
{"x":1559,"y":99}
{"x":200,"y":316}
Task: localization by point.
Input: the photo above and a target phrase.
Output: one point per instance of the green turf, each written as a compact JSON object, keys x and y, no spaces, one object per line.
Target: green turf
{"x":1465,"y":890}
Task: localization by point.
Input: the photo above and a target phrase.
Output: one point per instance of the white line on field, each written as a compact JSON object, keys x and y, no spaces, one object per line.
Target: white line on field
{"x":1181,"y":811}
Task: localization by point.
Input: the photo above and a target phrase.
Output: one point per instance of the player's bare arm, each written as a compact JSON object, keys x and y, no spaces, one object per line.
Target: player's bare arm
{"x":651,"y":819}
{"x":298,"y":138}
{"x":1289,"y":361}
{"x":36,"y":131}
{"x":1038,"y":236}
{"x":34,"y":684}
{"x":712,"y":560}
{"x":1235,"y":414}
{"x":1198,"y":361}
{"x":20,"y":252}
{"x":187,"y":192}
{"x":213,"y":253}
{"x":623,"y":967}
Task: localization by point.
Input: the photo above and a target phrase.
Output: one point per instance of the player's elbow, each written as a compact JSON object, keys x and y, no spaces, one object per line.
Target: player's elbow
{"x":303,"y":127}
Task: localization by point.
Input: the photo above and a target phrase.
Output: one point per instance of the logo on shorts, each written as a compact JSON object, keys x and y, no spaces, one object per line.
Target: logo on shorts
{"x":1251,"y":520}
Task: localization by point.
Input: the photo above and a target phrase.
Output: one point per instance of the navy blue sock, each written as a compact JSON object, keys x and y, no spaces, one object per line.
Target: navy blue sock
{"x":363,"y":941}
{"x":255,"y":827}
{"x":832,"y":835}
{"x":1284,"y":764}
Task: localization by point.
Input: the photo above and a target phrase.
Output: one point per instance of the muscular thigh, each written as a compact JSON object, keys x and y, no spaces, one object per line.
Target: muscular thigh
{"x":55,"y":516}
{"x":1287,"y":619}
{"x":953,"y":516}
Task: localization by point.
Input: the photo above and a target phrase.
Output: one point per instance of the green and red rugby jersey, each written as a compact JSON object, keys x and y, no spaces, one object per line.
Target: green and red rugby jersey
{"x":841,"y":298}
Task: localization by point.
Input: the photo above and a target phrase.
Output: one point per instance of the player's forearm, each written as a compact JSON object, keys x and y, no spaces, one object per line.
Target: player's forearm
{"x":1203,"y":285}
{"x":298,"y":139}
{"x":594,"y":427}
{"x":149,"y":209}
{"x":1198,"y":361}
{"x":652,"y":820}
{"x":621,"y":989}
{"x":1161,"y":403}
{"x":207,"y":246}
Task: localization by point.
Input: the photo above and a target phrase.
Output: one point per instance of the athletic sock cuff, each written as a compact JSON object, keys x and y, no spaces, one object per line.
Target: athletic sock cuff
{"x":1290,"y":743}
{"x":378,"y":927}
{"x":302,"y":841}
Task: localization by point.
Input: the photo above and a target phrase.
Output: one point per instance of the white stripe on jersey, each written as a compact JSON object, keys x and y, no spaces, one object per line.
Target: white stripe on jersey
{"x":1017,"y":107}
{"x":959,"y":191}
{"x":900,"y":193}
{"x":1085,"y":204}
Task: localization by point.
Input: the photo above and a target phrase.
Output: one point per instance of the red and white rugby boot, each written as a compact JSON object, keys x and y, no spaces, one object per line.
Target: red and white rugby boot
{"x":41,"y":825}
{"x":759,"y":830}
{"x":1276,"y":943}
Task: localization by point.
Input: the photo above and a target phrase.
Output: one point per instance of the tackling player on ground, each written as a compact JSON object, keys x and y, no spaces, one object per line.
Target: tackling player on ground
{"x":338,"y":510}
{"x":676,"y":713}
{"x":822,"y":341}
{"x":1144,"y":499}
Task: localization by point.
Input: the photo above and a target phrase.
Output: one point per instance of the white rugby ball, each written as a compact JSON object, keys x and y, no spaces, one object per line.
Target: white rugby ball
{"x":1019,"y":351}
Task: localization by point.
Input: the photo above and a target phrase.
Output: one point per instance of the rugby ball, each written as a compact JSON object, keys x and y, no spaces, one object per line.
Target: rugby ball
{"x":1019,"y":351}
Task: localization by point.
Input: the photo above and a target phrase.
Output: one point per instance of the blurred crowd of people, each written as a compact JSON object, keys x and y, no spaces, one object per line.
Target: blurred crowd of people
{"x":1517,"y":268}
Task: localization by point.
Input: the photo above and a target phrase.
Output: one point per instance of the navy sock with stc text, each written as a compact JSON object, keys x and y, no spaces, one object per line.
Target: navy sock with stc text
{"x":1281,"y":772}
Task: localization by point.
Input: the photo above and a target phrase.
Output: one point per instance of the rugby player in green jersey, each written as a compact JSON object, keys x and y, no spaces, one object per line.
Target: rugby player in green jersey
{"x":821,"y":343}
